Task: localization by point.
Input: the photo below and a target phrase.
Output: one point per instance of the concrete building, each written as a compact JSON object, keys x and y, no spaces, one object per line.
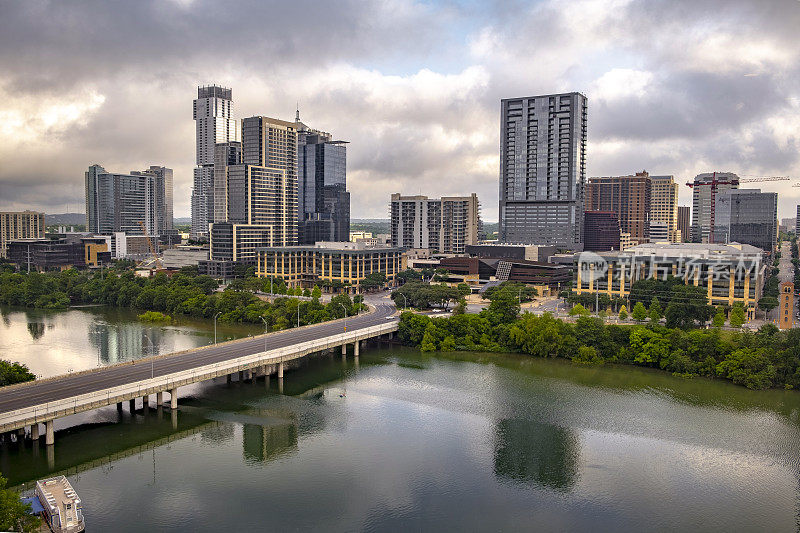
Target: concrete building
{"x":19,"y":225}
{"x":705,"y":190}
{"x":123,"y":202}
{"x":446,"y":225}
{"x":747,"y":216}
{"x":664,"y":209}
{"x":542,"y":169}
{"x":684,"y":223}
{"x":787,"y":225}
{"x":214,"y":124}
{"x":323,"y":203}
{"x":182,"y":256}
{"x":136,"y":247}
{"x":527,"y":252}
{"x":537,"y":273}
{"x":601,"y":231}
{"x":627,"y":196}
{"x":730,"y":272}
{"x":328,"y":263}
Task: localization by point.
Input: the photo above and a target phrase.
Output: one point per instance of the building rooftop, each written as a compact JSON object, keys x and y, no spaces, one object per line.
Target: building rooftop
{"x":700,"y":250}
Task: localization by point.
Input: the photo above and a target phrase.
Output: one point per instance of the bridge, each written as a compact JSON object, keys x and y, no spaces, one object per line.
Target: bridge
{"x":27,"y":405}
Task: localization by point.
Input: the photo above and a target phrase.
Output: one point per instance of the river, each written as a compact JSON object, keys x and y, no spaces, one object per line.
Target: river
{"x":408,"y":441}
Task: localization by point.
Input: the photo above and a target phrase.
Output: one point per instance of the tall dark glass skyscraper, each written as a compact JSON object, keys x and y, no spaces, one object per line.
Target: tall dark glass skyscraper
{"x":323,"y":201}
{"x":542,"y":169}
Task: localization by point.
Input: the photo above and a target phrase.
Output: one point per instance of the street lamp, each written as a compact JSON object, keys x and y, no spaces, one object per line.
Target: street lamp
{"x":215,"y":326}
{"x":405,"y":300}
{"x":152,"y":370}
{"x":266,"y":331}
{"x":345,"y":316}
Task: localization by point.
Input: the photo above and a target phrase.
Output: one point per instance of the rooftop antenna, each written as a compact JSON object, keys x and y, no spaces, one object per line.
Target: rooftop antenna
{"x":297,"y":113}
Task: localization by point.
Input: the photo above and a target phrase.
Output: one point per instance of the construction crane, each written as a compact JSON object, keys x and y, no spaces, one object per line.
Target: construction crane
{"x":150,"y":244}
{"x":730,"y":181}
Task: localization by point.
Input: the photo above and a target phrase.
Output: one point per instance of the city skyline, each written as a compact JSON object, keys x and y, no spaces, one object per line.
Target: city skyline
{"x":416,"y":90}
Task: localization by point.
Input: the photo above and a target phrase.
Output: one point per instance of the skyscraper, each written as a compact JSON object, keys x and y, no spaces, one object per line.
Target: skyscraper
{"x":664,"y":205}
{"x":444,"y":225}
{"x":163,"y":200}
{"x":214,"y":122}
{"x":19,"y":225}
{"x":542,"y":169}
{"x":684,"y":223}
{"x":122,"y":202}
{"x":323,"y":201}
{"x":627,"y":196}
{"x":705,"y":190}
{"x":747,"y":216}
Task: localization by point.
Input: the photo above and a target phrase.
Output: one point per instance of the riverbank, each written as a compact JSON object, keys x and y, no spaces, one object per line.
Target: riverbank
{"x":765,"y":359}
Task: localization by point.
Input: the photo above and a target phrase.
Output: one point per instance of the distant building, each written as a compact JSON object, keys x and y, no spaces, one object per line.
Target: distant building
{"x":215,"y":124}
{"x":74,"y":250}
{"x":747,"y":216}
{"x":328,"y":263}
{"x":797,"y":224}
{"x":356,"y":235}
{"x":182,"y":256}
{"x":446,"y":225}
{"x":507,"y":269}
{"x":684,"y":223}
{"x":664,"y":208}
{"x":601,"y":231}
{"x":133,"y":246}
{"x":528,"y":252}
{"x":706,"y":188}
{"x":788,"y":225}
{"x":123,"y":202}
{"x":730,"y":273}
{"x":627,"y":196}
{"x":323,"y":203}
{"x":19,"y":225}
{"x":542,"y":169}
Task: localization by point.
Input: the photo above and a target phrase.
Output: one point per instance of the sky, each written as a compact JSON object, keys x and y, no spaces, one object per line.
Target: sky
{"x":674,"y":87}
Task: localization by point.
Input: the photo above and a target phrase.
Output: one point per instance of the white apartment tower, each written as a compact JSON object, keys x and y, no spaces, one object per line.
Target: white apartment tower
{"x":445,"y":225}
{"x":214,"y":122}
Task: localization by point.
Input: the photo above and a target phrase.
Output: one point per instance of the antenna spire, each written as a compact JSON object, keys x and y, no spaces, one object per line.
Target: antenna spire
{"x":297,"y":113}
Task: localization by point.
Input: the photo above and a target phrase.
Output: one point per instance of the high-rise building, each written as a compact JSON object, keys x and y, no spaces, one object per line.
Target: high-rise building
{"x":122,"y":202}
{"x":747,"y":216}
{"x":601,"y":231}
{"x":255,"y":192}
{"x":684,"y":223}
{"x":627,"y":196}
{"x":163,"y":198}
{"x":542,"y":169}
{"x":323,"y":203}
{"x":664,"y":208}
{"x":797,"y":226}
{"x":19,"y":225}
{"x":444,"y":225}
{"x":214,"y":123}
{"x":705,"y":190}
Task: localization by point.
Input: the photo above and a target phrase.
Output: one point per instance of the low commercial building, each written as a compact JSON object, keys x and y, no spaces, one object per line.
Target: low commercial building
{"x":731,"y":272}
{"x":482,"y":269}
{"x":16,"y":225}
{"x":133,"y":246}
{"x":346,"y":262}
{"x":74,"y":250}
{"x":182,"y":256}
{"x":527,"y":252}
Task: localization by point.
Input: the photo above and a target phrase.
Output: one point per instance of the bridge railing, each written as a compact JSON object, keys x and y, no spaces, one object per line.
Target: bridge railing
{"x":10,"y":420}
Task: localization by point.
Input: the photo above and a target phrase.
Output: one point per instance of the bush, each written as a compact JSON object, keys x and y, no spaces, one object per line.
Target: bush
{"x":154,"y":316}
{"x":11,"y":373}
{"x":587,"y":355}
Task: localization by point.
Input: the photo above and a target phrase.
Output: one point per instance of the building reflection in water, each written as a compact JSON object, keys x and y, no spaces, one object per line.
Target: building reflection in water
{"x":218,"y":434}
{"x":36,"y":329}
{"x":264,"y":442}
{"x":116,"y":343}
{"x":531,"y":452}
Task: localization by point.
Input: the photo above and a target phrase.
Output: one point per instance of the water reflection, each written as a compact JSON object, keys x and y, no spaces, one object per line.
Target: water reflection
{"x":539,"y":454}
{"x":265,"y":442}
{"x":36,"y":329}
{"x":115,"y":343}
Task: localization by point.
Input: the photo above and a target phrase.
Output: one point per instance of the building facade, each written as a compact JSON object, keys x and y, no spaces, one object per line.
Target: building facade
{"x":748,"y":216}
{"x":325,"y":263}
{"x":19,"y":225}
{"x":214,"y":123}
{"x":601,"y":231}
{"x":164,"y":195}
{"x":684,"y":223}
{"x":731,"y":273}
{"x":445,"y":225}
{"x":542,"y":169}
{"x":323,"y":203}
{"x":627,"y":196}
{"x":786,"y":305}
{"x":664,"y":209}
{"x":705,"y":190}
{"x":123,"y":202}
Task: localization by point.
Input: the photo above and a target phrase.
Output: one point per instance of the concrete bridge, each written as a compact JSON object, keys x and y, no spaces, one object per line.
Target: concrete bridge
{"x":28,"y":405}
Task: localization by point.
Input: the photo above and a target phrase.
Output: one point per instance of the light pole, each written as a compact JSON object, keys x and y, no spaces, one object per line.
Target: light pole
{"x":215,"y":326}
{"x":152,"y":370}
{"x":405,"y":300}
{"x":266,"y":331}
{"x":345,"y":316}
{"x":298,"y":312}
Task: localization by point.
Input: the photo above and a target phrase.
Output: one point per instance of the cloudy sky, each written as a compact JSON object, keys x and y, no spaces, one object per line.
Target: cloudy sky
{"x":674,"y":86}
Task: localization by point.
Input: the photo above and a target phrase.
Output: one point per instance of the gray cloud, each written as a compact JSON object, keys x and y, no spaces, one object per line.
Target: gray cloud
{"x":414,"y":87}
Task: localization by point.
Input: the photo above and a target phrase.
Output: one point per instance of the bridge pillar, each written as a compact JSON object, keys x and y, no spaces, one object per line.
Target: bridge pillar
{"x":173,"y":398}
{"x":280,"y":370}
{"x":241,"y":375}
{"x":132,"y":405}
{"x":356,"y":348}
{"x":20,"y":434}
{"x":228,"y":378}
{"x":51,"y":457}
{"x":49,"y":433}
{"x":35,"y":432}
{"x":344,"y":351}
{"x":145,"y":401}
{"x":159,"y":399}
{"x":119,"y":406}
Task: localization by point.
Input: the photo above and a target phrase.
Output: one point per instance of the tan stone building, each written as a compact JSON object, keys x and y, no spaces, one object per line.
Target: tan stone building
{"x":19,"y":225}
{"x":664,"y":205}
{"x":627,"y":196}
{"x":786,"y":305}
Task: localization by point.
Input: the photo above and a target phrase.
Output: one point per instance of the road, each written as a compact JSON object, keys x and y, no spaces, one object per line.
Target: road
{"x":67,"y":386}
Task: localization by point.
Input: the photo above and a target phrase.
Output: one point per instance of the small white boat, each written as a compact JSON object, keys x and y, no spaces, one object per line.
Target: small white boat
{"x":62,"y":507}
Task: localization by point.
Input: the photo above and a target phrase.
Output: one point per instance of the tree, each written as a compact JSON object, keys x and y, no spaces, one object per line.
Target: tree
{"x":11,"y":373}
{"x":504,"y":308}
{"x":587,"y":355}
{"x":655,"y":313}
{"x":461,"y":307}
{"x":639,"y":312}
{"x":737,"y":317}
{"x":767,"y":303}
{"x":14,"y":515}
{"x":719,"y":318}
{"x":688,"y":306}
{"x":578,"y":310}
{"x":463,"y":289}
{"x":623,"y":313}
{"x":316,"y":293}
